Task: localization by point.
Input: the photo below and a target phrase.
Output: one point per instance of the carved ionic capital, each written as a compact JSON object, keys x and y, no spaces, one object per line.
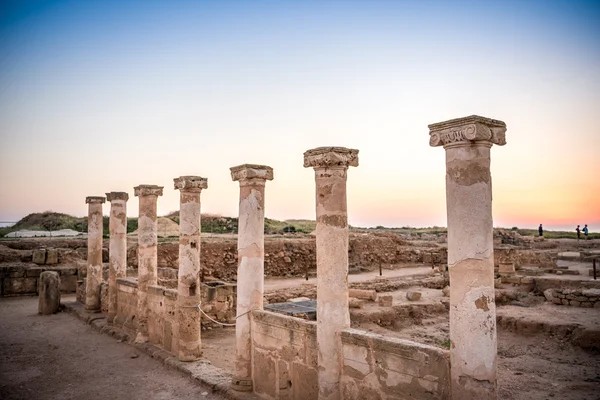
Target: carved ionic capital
{"x":94,"y":199}
{"x":117,"y":196}
{"x":468,"y":129}
{"x":331,"y":157}
{"x":190,"y":183}
{"x":148,"y":190}
{"x":251,"y":171}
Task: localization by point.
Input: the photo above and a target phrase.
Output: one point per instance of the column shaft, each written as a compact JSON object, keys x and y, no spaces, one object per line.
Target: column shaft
{"x":117,"y":247}
{"x":471,"y":267}
{"x":250,"y":287}
{"x":147,"y":254}
{"x":188,"y":293}
{"x":94,"y":259}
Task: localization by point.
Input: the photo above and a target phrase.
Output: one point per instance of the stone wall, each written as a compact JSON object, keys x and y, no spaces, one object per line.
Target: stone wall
{"x":374,"y":367}
{"x":127,"y":305}
{"x":587,"y":298}
{"x":379,"y":367}
{"x":22,"y":279}
{"x":219,"y":301}
{"x":284,"y":356}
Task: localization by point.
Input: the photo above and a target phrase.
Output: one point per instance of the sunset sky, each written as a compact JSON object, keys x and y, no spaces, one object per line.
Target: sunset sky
{"x":100,"y":96}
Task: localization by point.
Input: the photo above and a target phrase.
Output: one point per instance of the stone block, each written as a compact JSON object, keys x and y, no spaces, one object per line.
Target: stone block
{"x":386,"y":301}
{"x":52,"y":256}
{"x":34,"y":272}
{"x":20,"y":286}
{"x":511,"y":279}
{"x":446,"y":291}
{"x":354,"y":303}
{"x":526,"y":280}
{"x":17,"y":271}
{"x":39,"y":256}
{"x":575,"y":303}
{"x":68,"y":283}
{"x":549,"y":294}
{"x":413,"y":296}
{"x":363,"y":294}
{"x":49,"y":293}
{"x":565,"y":302}
{"x":556,"y":300}
{"x":587,"y":304}
{"x":506,"y":268}
{"x":597,"y":304}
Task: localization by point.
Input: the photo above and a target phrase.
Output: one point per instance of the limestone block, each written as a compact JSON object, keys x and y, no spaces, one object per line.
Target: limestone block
{"x":49,"y":289}
{"x":575,"y":303}
{"x":363,"y":294}
{"x":52,"y":256}
{"x":34,"y":272}
{"x":354,"y":303}
{"x":506,"y":268}
{"x":413,"y":296}
{"x":556,"y":300}
{"x":20,"y":286}
{"x":386,"y":301}
{"x":549,"y":294}
{"x":39,"y":256}
{"x":526,"y":280}
{"x":446,"y":291}
{"x":68,"y":284}
{"x":298,"y":299}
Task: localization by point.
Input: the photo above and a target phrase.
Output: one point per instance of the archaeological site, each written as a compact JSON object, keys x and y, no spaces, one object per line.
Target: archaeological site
{"x":340,"y":313}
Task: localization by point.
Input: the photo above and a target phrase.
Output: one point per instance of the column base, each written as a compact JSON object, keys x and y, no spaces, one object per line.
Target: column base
{"x":241,"y":384}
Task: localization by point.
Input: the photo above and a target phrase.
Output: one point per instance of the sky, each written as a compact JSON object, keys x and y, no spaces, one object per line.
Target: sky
{"x":100,"y":96}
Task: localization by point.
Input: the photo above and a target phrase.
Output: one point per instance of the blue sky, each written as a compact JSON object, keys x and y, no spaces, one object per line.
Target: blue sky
{"x":97,"y":96}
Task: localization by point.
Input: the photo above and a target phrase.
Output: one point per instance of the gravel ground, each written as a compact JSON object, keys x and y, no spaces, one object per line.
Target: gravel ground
{"x":60,"y":357}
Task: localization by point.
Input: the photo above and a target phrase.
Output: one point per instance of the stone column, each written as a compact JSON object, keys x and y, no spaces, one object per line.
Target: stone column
{"x":470,"y":252}
{"x":251,"y":268}
{"x":94,"y":259}
{"x":147,"y":253}
{"x":117,"y":247}
{"x":331,"y":166}
{"x":188,"y":288}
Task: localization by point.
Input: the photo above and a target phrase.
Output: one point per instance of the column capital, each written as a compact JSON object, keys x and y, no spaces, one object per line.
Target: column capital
{"x":467,"y":130}
{"x":148,"y":190}
{"x":331,"y":157}
{"x":190,"y":183}
{"x":94,"y":199}
{"x":251,"y":171}
{"x":117,"y":196}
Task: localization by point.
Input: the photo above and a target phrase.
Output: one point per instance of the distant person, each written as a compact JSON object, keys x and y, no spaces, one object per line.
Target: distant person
{"x":578,"y":232}
{"x":541,"y":230}
{"x":585,"y":232}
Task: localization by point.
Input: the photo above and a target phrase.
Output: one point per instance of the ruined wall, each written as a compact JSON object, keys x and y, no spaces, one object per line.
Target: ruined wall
{"x":586,"y":298}
{"x":126,"y":305}
{"x":380,"y":367}
{"x":284,"y":356}
{"x":22,"y":279}
{"x":374,"y":367}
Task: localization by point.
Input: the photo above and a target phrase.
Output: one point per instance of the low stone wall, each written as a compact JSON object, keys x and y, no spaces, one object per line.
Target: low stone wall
{"x":285,"y":363}
{"x":22,"y":279}
{"x":219,"y":300}
{"x":586,"y":298}
{"x":284,"y":356}
{"x":379,"y":367}
{"x":127,"y":305}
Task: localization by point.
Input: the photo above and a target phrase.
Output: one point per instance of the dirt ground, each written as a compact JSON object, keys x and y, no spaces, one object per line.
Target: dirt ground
{"x":60,"y":357}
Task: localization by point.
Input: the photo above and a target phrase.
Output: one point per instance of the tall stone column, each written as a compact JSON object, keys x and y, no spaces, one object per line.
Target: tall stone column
{"x":94,"y":258}
{"x":147,"y":253}
{"x":251,"y":268}
{"x":331,"y":166}
{"x":470,"y":252}
{"x":117,"y":247}
{"x":188,"y":288}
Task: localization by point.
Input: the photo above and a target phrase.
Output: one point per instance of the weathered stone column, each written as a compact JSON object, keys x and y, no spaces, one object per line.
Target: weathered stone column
{"x":470,"y":252}
{"x":188,"y":288}
{"x":117,"y":247}
{"x":331,"y":166}
{"x":94,"y":259}
{"x":251,"y":268}
{"x":147,"y":253}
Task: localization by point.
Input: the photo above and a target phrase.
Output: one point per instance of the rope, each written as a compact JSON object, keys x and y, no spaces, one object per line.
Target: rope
{"x":217,"y":322}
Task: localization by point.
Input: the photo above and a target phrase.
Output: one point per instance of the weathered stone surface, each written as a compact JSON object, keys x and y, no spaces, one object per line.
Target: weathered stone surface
{"x":39,"y":256}
{"x":413,"y":296}
{"x":446,"y":291}
{"x":363,"y":294}
{"x":49,"y":293}
{"x":331,"y":165}
{"x":250,"y":268}
{"x":117,"y":248}
{"x":385,"y":301}
{"x":94,"y":254}
{"x":52,"y":256}
{"x":355,"y":303}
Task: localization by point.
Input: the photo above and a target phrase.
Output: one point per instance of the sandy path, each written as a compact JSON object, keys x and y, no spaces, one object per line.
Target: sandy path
{"x":60,"y":357}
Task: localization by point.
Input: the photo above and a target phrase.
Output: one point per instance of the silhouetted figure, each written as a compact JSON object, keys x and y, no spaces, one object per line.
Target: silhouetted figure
{"x":541,"y":230}
{"x":578,"y":232}
{"x":585,"y":232}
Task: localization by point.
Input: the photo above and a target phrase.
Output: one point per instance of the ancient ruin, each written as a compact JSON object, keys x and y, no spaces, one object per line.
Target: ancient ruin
{"x":188,"y":288}
{"x":251,"y":244}
{"x":147,"y":253}
{"x":473,"y":340}
{"x":94,"y":253}
{"x":335,"y":312}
